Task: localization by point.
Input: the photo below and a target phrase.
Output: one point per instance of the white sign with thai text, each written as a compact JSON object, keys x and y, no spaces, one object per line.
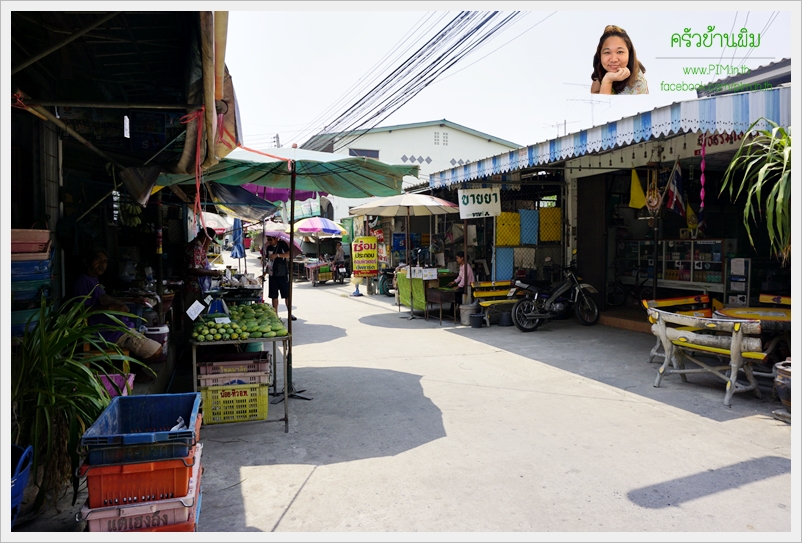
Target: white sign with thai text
{"x":478,"y":203}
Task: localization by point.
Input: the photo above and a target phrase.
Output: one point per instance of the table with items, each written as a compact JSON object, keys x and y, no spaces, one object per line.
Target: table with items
{"x":235,"y":386}
{"x":440,"y":296}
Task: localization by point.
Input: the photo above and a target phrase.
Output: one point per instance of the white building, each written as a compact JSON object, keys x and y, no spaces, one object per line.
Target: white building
{"x":432,"y":145}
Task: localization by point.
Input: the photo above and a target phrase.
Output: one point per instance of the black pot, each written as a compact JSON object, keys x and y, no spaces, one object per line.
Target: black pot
{"x":782,"y":383}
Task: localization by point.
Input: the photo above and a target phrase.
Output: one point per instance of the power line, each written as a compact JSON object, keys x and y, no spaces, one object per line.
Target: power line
{"x":462,"y":35}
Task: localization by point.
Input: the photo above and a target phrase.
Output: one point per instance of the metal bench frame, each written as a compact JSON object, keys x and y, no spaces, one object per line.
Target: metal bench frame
{"x":691,"y":336}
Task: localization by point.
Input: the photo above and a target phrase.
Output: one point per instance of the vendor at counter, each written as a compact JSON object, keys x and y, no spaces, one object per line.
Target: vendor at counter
{"x":461,"y":282}
{"x":87,"y":284}
{"x":199,"y":271}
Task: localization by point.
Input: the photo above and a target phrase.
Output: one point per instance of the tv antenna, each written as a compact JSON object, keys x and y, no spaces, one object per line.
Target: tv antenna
{"x":592,"y":103}
{"x":563,"y":124}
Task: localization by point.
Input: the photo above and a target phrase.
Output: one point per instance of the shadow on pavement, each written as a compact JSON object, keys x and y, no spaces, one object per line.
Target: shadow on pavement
{"x":678,"y":491}
{"x":618,"y":358}
{"x":354,"y":416}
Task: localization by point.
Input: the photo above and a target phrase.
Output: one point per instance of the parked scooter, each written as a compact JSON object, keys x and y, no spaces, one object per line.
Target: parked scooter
{"x":540,"y":304}
{"x":385,"y":286}
{"x":340,"y":271}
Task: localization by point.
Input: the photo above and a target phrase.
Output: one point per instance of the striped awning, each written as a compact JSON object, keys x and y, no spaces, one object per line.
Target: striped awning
{"x":721,"y":114}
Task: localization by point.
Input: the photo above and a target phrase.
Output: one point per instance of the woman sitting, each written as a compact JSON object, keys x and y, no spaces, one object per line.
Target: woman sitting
{"x":142,"y":348}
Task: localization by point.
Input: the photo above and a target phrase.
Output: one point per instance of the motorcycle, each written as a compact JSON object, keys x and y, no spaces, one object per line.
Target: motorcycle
{"x":385,"y":285}
{"x":339,"y":271}
{"x":540,"y":304}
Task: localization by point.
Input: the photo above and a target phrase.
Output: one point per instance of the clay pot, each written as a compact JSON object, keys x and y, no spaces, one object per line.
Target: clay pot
{"x":782,"y":383}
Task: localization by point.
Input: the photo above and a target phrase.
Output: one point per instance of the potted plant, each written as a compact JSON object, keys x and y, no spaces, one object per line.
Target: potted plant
{"x":765,"y":159}
{"x":56,"y":391}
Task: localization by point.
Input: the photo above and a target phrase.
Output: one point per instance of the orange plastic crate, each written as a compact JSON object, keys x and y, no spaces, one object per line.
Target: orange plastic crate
{"x":121,"y":484}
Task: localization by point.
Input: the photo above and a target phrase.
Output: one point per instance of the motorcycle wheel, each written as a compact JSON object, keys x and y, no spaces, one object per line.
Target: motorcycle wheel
{"x":586,"y":309}
{"x":616,"y":295}
{"x":519,"y":318}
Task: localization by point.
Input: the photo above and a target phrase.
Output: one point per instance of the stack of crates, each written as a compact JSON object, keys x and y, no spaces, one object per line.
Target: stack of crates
{"x":143,"y":472}
{"x":31,"y":262}
{"x":235,"y":386}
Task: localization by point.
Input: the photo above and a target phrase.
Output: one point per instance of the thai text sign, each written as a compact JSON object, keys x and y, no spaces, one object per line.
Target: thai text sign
{"x":364,"y":251}
{"x":475,"y":203}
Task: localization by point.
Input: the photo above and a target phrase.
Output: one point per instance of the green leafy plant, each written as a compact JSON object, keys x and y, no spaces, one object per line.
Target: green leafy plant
{"x":56,"y":391}
{"x":765,"y":159}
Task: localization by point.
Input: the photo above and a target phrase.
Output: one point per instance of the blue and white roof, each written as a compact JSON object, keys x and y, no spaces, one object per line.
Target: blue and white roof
{"x":722,"y":114}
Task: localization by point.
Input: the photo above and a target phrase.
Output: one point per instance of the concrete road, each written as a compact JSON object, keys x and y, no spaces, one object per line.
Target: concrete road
{"x":418,"y":427}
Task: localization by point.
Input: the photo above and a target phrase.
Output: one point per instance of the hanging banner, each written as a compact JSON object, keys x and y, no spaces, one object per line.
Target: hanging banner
{"x":476,"y":203}
{"x":364,"y":254}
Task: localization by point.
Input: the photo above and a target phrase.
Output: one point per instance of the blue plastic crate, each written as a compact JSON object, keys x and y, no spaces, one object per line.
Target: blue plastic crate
{"x":136,"y":420}
{"x":99,"y":455}
{"x":23,"y":291}
{"x":30,"y":267}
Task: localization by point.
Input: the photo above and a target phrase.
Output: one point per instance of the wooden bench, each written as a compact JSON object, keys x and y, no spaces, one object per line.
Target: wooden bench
{"x":684,"y":337}
{"x":492,"y":298}
{"x":697,"y":305}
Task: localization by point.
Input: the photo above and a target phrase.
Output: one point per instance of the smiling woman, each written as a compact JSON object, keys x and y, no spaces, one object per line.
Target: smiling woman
{"x":616,"y":68}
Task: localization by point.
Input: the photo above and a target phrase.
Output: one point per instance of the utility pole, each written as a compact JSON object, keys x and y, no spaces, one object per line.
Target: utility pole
{"x":278,"y":142}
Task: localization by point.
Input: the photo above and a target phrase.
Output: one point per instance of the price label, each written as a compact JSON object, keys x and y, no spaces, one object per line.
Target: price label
{"x":222,"y":320}
{"x":208,"y":299}
{"x":195,"y":309}
{"x":476,"y":203}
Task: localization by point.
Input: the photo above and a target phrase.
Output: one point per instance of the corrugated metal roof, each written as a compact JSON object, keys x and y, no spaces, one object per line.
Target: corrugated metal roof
{"x":443,"y":122}
{"x":722,"y":114}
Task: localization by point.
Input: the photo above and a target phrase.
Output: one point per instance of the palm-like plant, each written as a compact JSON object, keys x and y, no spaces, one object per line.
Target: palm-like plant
{"x":56,"y":392}
{"x":766,"y":161}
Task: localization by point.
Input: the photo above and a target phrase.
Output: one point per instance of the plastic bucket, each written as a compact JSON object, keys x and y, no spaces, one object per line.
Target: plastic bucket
{"x":505,"y":319}
{"x":160,"y":334}
{"x":465,"y":312}
{"x":477,"y":319}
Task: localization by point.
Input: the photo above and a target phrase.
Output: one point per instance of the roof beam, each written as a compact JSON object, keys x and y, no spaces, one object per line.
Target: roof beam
{"x":72,"y":37}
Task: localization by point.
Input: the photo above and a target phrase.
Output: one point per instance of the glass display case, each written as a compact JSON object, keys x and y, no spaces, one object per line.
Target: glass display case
{"x":691,"y":264}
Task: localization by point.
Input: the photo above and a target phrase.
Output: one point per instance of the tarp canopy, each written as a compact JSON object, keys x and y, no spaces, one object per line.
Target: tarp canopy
{"x":240,"y":203}
{"x":339,"y":175}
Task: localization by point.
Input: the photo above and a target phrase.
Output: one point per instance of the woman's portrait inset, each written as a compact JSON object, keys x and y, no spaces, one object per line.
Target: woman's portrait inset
{"x":616,"y":69}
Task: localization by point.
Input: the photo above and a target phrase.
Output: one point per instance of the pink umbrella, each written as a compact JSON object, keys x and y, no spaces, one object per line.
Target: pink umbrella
{"x":319,"y":225}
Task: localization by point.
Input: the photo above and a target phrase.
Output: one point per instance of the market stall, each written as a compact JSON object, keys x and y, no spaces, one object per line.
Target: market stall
{"x":300,"y":169}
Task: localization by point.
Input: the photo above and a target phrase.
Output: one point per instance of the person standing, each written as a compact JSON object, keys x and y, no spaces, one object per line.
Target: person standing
{"x":278,"y":258}
{"x":199,"y":271}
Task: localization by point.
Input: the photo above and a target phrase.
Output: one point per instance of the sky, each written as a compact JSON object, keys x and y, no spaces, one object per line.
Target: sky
{"x":293,"y":70}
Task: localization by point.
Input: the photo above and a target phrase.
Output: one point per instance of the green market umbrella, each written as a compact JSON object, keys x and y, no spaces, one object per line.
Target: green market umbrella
{"x":301,"y":169}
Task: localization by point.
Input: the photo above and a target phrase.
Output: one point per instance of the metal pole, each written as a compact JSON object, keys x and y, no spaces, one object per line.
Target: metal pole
{"x":159,"y":252}
{"x":465,"y":287}
{"x":62,"y":43}
{"x":111,"y":105}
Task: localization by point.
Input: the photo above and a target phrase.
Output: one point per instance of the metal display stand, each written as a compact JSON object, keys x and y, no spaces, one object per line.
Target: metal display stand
{"x":285,"y":343}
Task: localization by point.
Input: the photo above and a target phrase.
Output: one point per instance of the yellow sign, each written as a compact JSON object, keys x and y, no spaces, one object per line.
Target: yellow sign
{"x":364,"y":252}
